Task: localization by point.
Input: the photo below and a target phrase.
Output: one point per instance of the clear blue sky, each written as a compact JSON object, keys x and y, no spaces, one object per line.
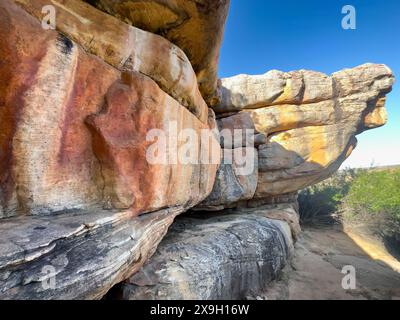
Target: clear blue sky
{"x":289,"y":35}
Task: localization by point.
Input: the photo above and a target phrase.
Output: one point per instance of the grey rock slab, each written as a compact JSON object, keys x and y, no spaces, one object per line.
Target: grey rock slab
{"x":77,"y":255}
{"x":213,"y":257}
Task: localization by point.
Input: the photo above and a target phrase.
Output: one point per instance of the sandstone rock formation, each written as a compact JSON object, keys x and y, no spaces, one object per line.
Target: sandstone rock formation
{"x":195,"y":26}
{"x":73,"y":165}
{"x":127,"y":48}
{"x":218,"y":257}
{"x":78,"y":255}
{"x":237,"y":177}
{"x":309,"y":119}
{"x":107,"y":137}
{"x":76,"y":130}
{"x":232,"y":184}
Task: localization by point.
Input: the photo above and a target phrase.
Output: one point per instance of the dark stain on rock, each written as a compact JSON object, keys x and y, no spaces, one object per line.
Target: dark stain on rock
{"x":65,"y":44}
{"x":92,"y":2}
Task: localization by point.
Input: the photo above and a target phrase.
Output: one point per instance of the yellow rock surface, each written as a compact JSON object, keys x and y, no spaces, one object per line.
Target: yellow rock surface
{"x":310,"y":120}
{"x":127,"y":48}
{"x":195,"y":26}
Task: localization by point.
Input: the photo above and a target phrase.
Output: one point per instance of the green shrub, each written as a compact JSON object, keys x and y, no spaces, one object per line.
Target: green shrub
{"x":375,"y":192}
{"x":326,"y":197}
{"x":371,"y":196}
{"x":318,"y":200}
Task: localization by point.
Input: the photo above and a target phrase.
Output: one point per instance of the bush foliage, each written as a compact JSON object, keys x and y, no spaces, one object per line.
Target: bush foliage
{"x":376,"y":192}
{"x":354,"y":192}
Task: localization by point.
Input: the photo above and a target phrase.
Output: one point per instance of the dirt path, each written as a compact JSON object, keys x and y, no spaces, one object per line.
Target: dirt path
{"x":321,"y":254}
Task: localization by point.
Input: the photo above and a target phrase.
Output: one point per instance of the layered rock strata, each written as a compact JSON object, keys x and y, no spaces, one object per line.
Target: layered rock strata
{"x":76,"y":181}
{"x":309,"y":121}
{"x":195,"y":26}
{"x":208,"y":258}
{"x":127,"y":48}
{"x":77,"y":255}
{"x":107,"y":137}
{"x":76,"y":130}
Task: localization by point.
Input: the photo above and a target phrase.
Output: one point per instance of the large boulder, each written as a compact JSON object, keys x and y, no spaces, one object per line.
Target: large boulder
{"x":75,"y":133}
{"x":196,"y":26}
{"x":126,"y":48}
{"x":141,"y":171}
{"x":107,"y":137}
{"x":310,"y":120}
{"x":236,"y":179}
{"x":76,"y":255}
{"x":213,"y":257}
{"x":86,"y":196}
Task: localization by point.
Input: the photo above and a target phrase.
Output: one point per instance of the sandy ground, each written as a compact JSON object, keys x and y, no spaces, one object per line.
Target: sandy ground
{"x":320,"y":255}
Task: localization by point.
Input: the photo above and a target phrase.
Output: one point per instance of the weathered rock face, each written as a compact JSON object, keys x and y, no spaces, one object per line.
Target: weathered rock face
{"x":49,"y":86}
{"x":310,"y":120}
{"x":76,"y":133}
{"x":75,"y":170}
{"x":302,"y":125}
{"x":122,"y":145}
{"x":77,"y":255}
{"x":208,"y":258}
{"x":106,"y":137}
{"x":127,"y":48}
{"x":236,"y":179}
{"x":283,"y":208}
{"x":195,"y":26}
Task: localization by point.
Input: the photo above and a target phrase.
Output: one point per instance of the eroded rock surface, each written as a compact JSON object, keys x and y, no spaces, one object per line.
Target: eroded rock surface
{"x":195,"y":26}
{"x":75,"y":134}
{"x":310,"y":120}
{"x":80,"y":203}
{"x":122,"y":145}
{"x":107,"y":136}
{"x":217,"y":257}
{"x":236,"y":179}
{"x":76,"y":255}
{"x":127,"y":48}
{"x":49,"y":86}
